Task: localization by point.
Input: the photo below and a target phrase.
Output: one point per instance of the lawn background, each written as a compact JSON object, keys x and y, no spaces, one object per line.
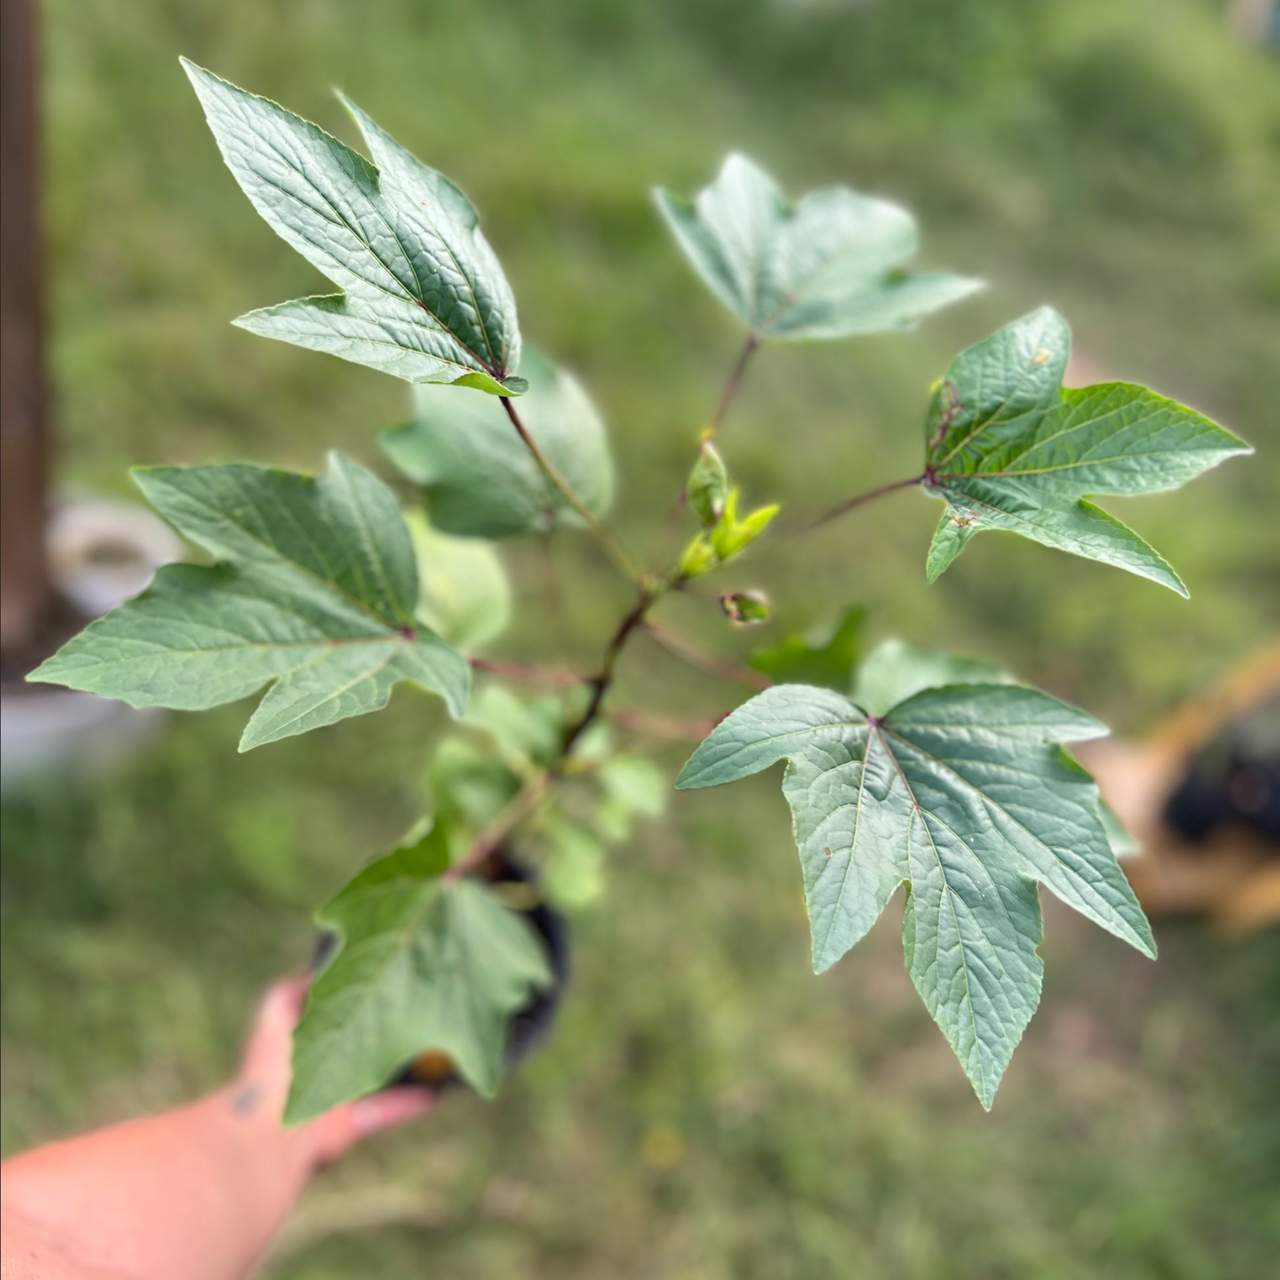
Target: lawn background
{"x":707,"y":1108}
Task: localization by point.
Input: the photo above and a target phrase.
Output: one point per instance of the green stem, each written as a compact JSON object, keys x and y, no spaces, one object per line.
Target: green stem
{"x":632,"y":622}
{"x":612,"y":547}
{"x":733,"y":384}
{"x":636,"y":619}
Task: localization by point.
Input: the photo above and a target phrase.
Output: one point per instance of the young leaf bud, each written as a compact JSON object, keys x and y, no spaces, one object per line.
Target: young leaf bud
{"x":708,"y":485}
{"x":699,"y":557}
{"x":745,"y":608}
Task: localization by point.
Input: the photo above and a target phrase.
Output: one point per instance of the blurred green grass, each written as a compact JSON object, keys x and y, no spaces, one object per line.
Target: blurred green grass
{"x":707,"y":1108}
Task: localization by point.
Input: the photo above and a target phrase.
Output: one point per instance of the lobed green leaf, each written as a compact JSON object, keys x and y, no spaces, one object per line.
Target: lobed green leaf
{"x":830,"y":266}
{"x":423,"y":296}
{"x":962,"y":793}
{"x":316,"y":591}
{"x":1009,"y":448}
{"x":423,"y":963}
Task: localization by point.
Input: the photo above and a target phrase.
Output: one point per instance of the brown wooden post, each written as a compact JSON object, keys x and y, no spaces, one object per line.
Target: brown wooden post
{"x":24,"y":445}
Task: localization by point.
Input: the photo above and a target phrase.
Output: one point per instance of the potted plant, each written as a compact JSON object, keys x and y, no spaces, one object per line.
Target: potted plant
{"x":923,"y":770}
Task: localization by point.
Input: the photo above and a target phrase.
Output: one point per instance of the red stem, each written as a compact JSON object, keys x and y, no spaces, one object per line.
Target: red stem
{"x":850,"y":504}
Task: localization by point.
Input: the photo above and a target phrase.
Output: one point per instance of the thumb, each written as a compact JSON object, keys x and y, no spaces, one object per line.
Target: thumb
{"x":340,"y":1129}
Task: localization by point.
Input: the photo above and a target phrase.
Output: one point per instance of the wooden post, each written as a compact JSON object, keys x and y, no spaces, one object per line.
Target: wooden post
{"x":24,"y":447}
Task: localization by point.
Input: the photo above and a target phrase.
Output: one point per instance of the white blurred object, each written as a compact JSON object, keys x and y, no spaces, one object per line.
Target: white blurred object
{"x":101,"y":553}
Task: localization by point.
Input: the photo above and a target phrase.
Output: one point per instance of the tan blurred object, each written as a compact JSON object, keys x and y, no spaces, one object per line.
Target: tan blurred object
{"x":1233,"y":875}
{"x":1251,"y":18}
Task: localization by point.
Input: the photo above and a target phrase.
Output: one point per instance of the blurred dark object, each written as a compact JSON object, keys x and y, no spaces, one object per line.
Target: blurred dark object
{"x":1202,"y":797}
{"x":1233,"y":780}
{"x":25,"y":594}
{"x":530,"y":1025}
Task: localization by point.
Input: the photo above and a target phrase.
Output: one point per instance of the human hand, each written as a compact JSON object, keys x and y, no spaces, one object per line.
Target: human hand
{"x":262,"y":1084}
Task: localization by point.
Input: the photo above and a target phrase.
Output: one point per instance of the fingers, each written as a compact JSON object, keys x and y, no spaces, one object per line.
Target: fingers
{"x":338,"y":1130}
{"x":281,"y":1006}
{"x":267,"y":1052}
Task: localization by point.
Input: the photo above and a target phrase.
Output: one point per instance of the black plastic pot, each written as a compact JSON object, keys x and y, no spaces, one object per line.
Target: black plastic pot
{"x":529,"y":1025}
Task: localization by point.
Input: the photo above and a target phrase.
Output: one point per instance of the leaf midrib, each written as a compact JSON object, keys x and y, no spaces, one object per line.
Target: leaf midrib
{"x":331,"y":694}
{"x":403,"y":938}
{"x":918,"y":809}
{"x":327,"y":583}
{"x":374,"y":204}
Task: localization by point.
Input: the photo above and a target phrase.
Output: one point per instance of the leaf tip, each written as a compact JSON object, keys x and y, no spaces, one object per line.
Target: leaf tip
{"x":201,"y":77}
{"x":43,"y":673}
{"x":685,"y":780}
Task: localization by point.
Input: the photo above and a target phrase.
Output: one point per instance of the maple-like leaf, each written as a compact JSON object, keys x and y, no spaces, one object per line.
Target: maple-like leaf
{"x":315,"y":590}
{"x":1009,"y":448}
{"x":422,"y":963}
{"x":423,"y":295}
{"x":830,"y":266}
{"x":963,"y":793}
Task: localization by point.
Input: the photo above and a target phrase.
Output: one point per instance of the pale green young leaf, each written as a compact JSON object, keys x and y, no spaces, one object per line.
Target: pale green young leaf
{"x":526,"y":731}
{"x":636,"y":782}
{"x":316,"y":590}
{"x":824,"y":655}
{"x":1009,"y":448}
{"x":423,"y":963}
{"x":468,"y":784}
{"x":423,"y":296}
{"x":479,"y":478}
{"x":964,"y":794}
{"x":730,"y":536}
{"x":573,"y":875}
{"x":697,"y":558}
{"x":708,"y":485}
{"x":894,"y":671}
{"x":464,"y":595}
{"x":830,"y":266}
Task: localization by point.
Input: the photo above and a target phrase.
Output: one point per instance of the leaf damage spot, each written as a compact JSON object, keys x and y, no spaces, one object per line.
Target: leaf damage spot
{"x":949,"y":399}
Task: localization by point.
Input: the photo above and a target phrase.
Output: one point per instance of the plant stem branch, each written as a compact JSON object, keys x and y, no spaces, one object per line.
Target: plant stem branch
{"x":556,"y":677}
{"x":487,"y":843}
{"x":656,"y":725}
{"x":612,"y":547}
{"x":849,"y":504}
{"x":730,"y":393}
{"x":733,"y":384}
{"x":723,"y":668}
{"x":634,"y":620}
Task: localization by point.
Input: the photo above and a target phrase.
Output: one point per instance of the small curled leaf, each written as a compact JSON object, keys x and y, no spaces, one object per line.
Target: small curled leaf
{"x":708,"y":486}
{"x":731,"y":535}
{"x":699,"y":557}
{"x":745,"y":608}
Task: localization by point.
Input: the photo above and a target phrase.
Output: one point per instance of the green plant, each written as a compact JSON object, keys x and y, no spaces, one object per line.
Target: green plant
{"x":923,"y":769}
